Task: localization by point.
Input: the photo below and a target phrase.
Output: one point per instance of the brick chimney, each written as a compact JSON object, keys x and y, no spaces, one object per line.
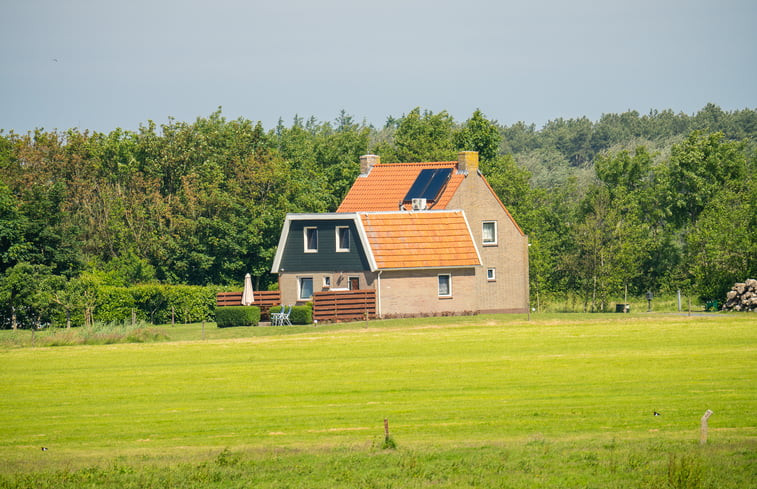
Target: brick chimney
{"x":367,"y":162}
{"x":467,"y":161}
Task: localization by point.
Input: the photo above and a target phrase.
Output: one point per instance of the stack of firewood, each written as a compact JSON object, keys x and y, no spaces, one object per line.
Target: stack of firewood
{"x":742,"y":297}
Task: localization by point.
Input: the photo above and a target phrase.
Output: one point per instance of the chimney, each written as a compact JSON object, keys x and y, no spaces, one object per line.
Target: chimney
{"x":467,"y":161}
{"x":367,"y":162}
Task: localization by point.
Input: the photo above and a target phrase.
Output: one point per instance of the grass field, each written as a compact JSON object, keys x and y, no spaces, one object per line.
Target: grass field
{"x":488,"y":401}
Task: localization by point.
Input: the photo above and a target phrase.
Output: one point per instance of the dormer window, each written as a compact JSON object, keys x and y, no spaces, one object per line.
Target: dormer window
{"x":311,"y":240}
{"x":342,"y":238}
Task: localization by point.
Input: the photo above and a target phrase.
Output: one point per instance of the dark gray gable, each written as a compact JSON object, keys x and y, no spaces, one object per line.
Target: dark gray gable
{"x":327,"y":259}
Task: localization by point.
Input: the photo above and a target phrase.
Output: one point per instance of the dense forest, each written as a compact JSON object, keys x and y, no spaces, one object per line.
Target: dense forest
{"x":659,"y":202}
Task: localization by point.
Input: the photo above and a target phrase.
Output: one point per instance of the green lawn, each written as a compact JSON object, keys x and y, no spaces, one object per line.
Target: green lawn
{"x":500,"y":391}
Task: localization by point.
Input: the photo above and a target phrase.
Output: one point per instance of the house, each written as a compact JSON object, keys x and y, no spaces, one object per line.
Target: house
{"x":429,"y":238}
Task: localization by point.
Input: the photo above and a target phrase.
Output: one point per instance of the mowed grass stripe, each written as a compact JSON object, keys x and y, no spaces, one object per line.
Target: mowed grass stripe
{"x":485,"y":382}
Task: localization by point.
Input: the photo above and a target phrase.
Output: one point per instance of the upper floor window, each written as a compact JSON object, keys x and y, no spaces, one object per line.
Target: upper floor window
{"x":342,"y":238}
{"x":489,"y":232}
{"x":311,"y":240}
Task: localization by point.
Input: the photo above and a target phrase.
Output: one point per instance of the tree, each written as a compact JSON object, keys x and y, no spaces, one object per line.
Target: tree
{"x":25,"y":296}
{"x":422,"y":137}
{"x":699,"y":168}
{"x":722,"y":245}
{"x":479,"y":134}
{"x":13,"y":244}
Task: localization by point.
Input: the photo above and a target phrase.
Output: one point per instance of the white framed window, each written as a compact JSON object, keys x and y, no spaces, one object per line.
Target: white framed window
{"x":491,"y":274}
{"x":327,"y":281}
{"x":311,"y":239}
{"x":445,"y":284}
{"x":342,"y":238}
{"x":306,"y":287}
{"x":489,"y":232}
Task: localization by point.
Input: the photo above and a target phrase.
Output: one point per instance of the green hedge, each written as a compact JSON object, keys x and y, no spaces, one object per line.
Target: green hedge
{"x":155,"y":303}
{"x":300,"y":314}
{"x":228,"y":316}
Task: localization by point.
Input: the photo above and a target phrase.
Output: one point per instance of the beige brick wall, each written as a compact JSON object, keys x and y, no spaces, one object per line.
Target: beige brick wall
{"x":509,"y":257}
{"x":416,"y":292}
{"x":289,"y":283}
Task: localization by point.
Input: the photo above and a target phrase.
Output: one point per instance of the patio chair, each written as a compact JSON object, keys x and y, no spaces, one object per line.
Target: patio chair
{"x":285,"y":316}
{"x":276,"y":317}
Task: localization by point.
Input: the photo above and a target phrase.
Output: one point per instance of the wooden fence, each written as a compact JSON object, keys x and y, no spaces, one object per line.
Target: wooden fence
{"x":264,"y":299}
{"x":348,"y":305}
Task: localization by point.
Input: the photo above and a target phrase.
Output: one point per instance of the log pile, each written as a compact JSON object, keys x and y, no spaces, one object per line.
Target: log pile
{"x":742,"y":297}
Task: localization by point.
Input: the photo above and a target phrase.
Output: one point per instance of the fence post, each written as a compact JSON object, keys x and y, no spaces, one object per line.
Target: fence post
{"x":703,"y":433}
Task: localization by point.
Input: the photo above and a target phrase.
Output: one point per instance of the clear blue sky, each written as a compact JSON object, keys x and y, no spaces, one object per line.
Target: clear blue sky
{"x":102,"y":64}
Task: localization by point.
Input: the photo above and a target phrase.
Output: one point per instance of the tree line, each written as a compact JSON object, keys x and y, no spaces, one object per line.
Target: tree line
{"x":649,"y":202}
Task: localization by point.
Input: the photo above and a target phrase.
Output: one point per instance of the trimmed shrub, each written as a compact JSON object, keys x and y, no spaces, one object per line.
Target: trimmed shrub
{"x":300,"y":314}
{"x":114,"y":304}
{"x":228,"y":316}
{"x":154,"y":303}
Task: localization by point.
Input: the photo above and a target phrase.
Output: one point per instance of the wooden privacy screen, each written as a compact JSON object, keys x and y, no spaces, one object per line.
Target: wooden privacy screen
{"x":264,"y":299}
{"x":352,"y":305}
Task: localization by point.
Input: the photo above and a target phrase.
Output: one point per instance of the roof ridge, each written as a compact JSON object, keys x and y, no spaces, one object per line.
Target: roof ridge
{"x":416,"y":163}
{"x":402,"y":212}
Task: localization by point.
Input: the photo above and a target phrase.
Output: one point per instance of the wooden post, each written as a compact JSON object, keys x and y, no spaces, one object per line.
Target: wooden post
{"x":386,"y":428}
{"x":173,"y":315}
{"x":703,"y":433}
{"x":133,"y":317}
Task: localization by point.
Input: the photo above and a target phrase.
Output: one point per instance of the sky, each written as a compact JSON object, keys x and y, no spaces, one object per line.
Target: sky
{"x":102,"y":64}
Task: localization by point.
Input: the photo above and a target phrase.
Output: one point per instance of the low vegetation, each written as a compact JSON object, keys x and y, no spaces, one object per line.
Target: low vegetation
{"x":489,"y":401}
{"x":230,"y":316}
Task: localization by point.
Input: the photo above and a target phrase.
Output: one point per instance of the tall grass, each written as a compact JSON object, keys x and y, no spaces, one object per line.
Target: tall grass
{"x":99,"y":333}
{"x":572,"y":303}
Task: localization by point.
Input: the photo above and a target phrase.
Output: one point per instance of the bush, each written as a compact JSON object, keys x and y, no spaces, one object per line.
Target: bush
{"x":154,"y":303}
{"x":228,"y":316}
{"x":300,"y":314}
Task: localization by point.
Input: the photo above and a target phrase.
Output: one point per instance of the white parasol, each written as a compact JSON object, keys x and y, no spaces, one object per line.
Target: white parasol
{"x":247,"y":296}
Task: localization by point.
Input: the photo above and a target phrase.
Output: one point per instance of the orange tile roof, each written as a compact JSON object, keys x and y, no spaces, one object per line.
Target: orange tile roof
{"x":387,"y":184}
{"x":420,"y":239}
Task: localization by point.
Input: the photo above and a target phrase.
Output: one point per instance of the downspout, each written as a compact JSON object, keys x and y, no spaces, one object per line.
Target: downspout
{"x":378,"y":295}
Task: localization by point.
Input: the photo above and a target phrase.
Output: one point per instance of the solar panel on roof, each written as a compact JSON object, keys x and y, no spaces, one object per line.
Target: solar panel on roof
{"x":420,"y":184}
{"x":436,"y":183}
{"x":428,"y":184}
